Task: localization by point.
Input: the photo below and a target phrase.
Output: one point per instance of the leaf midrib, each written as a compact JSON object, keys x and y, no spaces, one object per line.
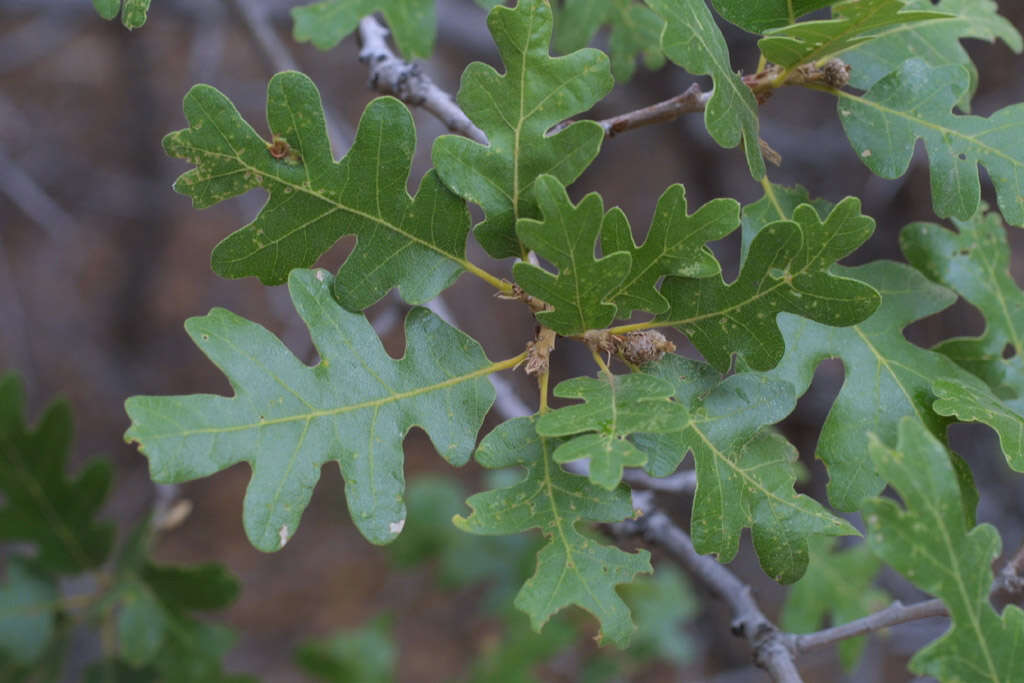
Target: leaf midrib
{"x":311,"y":192}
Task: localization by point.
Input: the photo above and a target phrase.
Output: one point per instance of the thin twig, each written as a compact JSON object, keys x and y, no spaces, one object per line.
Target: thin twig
{"x":770,"y":649}
{"x":693,"y":100}
{"x":680,"y":482}
{"x":392,"y":75}
{"x":273,"y":49}
{"x":25,"y":193}
{"x":896,"y":613}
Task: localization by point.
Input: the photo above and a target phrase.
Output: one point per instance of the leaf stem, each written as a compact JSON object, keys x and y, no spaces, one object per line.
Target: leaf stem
{"x":502,"y":286}
{"x":633,"y":327}
{"x":769,"y":192}
{"x":600,"y":363}
{"x":542,"y":383}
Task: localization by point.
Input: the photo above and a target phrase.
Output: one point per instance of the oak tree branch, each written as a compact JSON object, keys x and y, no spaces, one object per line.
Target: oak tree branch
{"x":391,"y":75}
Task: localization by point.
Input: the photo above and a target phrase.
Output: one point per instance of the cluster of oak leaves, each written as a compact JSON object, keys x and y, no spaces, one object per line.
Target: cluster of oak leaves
{"x":762,"y":335}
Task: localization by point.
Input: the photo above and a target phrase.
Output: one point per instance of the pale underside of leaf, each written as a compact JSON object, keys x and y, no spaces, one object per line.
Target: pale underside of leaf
{"x":916,"y":101}
{"x":928,"y":541}
{"x":287,"y":419}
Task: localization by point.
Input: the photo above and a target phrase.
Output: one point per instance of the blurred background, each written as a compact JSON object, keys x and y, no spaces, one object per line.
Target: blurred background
{"x":101,"y":262}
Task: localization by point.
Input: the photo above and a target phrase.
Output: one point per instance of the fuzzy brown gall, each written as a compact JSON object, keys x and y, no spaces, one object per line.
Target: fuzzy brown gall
{"x":636,"y":348}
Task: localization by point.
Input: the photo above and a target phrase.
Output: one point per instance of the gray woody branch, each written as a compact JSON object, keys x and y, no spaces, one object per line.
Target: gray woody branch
{"x":392,"y":75}
{"x":769,"y":643}
{"x":775,"y":650}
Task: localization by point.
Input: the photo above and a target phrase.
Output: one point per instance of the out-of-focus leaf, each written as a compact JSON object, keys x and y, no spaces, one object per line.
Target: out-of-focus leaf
{"x":572,"y":568}
{"x":502,"y":562}
{"x":634,"y":28}
{"x":41,"y":505}
{"x":516,"y":110}
{"x":189,"y":587}
{"x":661,"y":605}
{"x":287,"y":419}
{"x":692,"y":40}
{"x":133,"y":12}
{"x":759,"y":16}
{"x":28,"y":607}
{"x":141,"y":624}
{"x":745,"y":477}
{"x":613,"y":409}
{"x":787,"y":269}
{"x":412,"y":22}
{"x":416,"y":244}
{"x":927,"y":540}
{"x":936,"y":41}
{"x":916,"y":101}
{"x":581,"y":293}
{"x":853,"y":22}
{"x":838,"y":586}
{"x":520,"y":651}
{"x":367,"y":654}
{"x":675,"y":245}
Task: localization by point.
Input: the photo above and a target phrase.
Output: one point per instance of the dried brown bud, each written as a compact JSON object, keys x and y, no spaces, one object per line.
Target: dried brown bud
{"x":538,"y":352}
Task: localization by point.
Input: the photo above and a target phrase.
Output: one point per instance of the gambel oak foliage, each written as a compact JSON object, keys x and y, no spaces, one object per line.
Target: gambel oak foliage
{"x":583,"y":472}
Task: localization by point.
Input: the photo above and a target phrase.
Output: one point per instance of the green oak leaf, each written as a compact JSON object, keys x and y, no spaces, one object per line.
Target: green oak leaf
{"x":974,"y":261}
{"x":634,"y":28}
{"x":516,"y":110}
{"x":936,"y":41}
{"x":692,"y":40}
{"x":614,"y":407}
{"x":368,"y":654}
{"x":786,"y":270}
{"x":973,"y":403}
{"x":886,"y":376}
{"x":838,"y":586}
{"x":566,"y":236}
{"x":133,"y":12}
{"x":287,"y":419}
{"x":413,"y":23}
{"x":28,"y":610}
{"x":415,"y":244}
{"x":853,"y":22}
{"x":916,"y":101}
{"x":758,"y":17}
{"x":41,"y":505}
{"x":778,"y":202}
{"x":745,"y":475}
{"x":928,"y":541}
{"x":572,"y":568}
{"x":675,"y":245}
